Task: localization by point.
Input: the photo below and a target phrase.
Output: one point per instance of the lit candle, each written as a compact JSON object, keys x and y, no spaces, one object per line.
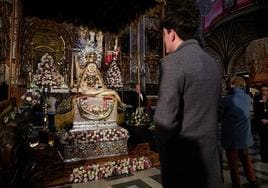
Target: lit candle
{"x":116,"y":43}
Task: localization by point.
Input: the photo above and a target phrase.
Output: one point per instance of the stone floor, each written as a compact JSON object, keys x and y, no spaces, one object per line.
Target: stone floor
{"x":150,"y":178}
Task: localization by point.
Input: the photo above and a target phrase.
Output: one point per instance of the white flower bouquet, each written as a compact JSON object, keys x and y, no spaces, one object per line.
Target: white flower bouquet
{"x":47,"y":74}
{"x":30,"y":98}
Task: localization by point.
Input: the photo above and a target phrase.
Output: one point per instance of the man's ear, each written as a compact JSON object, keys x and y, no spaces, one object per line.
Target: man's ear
{"x":173,"y":34}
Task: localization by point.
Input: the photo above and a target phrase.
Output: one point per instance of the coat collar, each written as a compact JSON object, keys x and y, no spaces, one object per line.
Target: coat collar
{"x":187,"y":42}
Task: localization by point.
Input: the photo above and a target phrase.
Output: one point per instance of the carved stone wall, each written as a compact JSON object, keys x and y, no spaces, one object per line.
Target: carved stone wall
{"x":230,"y":40}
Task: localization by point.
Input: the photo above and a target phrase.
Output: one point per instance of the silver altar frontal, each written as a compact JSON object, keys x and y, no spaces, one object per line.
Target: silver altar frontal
{"x":95,"y":132}
{"x":92,"y":144}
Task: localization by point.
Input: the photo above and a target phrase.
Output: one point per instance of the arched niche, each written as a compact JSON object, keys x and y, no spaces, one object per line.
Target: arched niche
{"x":46,"y":36}
{"x":48,"y":41}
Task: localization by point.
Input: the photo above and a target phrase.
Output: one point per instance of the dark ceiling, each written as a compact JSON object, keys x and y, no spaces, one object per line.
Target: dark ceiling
{"x":106,"y":15}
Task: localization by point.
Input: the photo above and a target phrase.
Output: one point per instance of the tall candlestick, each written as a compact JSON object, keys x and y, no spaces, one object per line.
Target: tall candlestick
{"x":116,"y":43}
{"x":139,"y":61}
{"x":72,"y":71}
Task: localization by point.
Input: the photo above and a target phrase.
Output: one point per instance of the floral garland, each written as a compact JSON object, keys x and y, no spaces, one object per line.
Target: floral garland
{"x":118,"y":167}
{"x":101,"y":135}
{"x":113,"y":76}
{"x":31,"y":98}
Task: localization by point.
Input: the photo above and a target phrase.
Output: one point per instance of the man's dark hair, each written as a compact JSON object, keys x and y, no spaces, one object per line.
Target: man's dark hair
{"x":183,"y":17}
{"x":263,"y":84}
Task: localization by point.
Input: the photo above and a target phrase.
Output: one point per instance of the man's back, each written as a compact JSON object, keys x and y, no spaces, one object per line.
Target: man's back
{"x":199,"y":88}
{"x":186,"y":115}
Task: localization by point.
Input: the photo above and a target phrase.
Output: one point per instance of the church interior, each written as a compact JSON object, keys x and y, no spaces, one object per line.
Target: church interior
{"x":70,"y":112}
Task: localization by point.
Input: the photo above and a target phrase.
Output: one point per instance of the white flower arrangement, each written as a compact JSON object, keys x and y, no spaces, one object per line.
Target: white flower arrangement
{"x":93,"y":136}
{"x":31,"y":98}
{"x":47,"y":58}
{"x":47,"y":74}
{"x":140,"y":118}
{"x":111,"y":168}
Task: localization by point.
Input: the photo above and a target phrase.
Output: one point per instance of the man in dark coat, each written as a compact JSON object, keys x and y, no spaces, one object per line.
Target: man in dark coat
{"x":186,"y":113}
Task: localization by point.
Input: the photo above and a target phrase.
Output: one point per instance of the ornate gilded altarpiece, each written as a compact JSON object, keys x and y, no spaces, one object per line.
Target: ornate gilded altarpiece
{"x":257,"y":60}
{"x":44,"y":36}
{"x":5,"y":16}
{"x":77,"y":53}
{"x":142,"y":41}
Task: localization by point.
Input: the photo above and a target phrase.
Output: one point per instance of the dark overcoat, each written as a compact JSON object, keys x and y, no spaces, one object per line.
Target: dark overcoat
{"x":186,"y":118}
